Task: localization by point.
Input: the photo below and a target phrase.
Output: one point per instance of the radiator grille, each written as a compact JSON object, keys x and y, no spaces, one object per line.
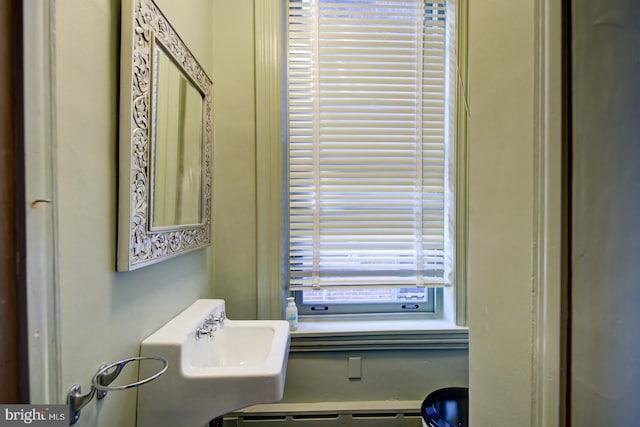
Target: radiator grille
{"x":327,"y":419}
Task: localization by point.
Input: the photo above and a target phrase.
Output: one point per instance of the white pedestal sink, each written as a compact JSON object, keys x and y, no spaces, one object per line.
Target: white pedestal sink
{"x":241,"y":363}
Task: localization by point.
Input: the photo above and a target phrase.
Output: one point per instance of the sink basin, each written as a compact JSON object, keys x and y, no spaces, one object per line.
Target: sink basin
{"x":242,"y":363}
{"x":239,"y":344}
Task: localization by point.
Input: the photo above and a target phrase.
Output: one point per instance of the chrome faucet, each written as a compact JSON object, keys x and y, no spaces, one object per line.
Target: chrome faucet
{"x":205,"y":331}
{"x":210,"y":325}
{"x":216,"y":321}
{"x":221,"y":318}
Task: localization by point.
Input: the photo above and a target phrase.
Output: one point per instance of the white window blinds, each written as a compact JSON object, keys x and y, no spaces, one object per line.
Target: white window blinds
{"x":370,"y":156}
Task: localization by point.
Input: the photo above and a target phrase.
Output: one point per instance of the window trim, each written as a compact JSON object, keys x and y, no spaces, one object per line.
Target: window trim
{"x":322,"y":335}
{"x":269,"y":19}
{"x":269,"y":47}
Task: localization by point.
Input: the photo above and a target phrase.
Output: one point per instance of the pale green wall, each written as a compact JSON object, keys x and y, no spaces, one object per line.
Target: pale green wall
{"x":501,"y":193}
{"x":105,"y":315}
{"x":390,"y":375}
{"x":234,"y":198}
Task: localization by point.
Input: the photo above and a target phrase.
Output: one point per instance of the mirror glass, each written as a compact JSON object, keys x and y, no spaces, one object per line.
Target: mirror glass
{"x":177,"y":145}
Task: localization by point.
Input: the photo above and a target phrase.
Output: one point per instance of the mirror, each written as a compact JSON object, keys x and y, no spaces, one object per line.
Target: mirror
{"x":165,"y":142}
{"x":177,"y":130}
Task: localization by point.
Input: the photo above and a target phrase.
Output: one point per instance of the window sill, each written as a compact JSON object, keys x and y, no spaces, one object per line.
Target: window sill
{"x":348,"y":334}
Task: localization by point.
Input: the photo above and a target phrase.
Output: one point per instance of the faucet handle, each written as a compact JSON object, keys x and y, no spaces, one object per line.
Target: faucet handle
{"x":209,"y":320}
{"x":222,"y":317}
{"x":204,"y":331}
{"x":216,"y":320}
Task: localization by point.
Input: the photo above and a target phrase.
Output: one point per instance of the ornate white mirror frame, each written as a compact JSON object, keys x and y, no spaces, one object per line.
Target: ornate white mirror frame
{"x":145,"y":30}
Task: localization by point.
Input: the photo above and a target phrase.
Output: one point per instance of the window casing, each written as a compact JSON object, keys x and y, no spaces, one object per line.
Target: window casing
{"x":371,"y":154}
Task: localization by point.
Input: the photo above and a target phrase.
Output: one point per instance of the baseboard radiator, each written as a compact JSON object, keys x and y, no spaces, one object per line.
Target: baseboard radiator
{"x":327,"y":417}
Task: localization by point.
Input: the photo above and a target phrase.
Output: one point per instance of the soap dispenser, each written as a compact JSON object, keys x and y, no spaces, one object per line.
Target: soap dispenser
{"x":292,"y":313}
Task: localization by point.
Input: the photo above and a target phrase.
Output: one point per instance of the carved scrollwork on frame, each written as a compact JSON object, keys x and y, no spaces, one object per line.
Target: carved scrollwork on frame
{"x":146,"y":31}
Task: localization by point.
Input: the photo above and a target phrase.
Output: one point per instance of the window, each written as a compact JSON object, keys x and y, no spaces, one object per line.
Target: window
{"x":371,"y":154}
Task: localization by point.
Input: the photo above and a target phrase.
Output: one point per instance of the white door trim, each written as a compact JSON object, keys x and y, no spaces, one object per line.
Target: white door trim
{"x":547,"y":253}
{"x":45,"y":368}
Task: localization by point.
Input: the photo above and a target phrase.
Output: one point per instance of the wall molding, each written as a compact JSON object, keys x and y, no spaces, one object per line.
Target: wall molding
{"x":462,"y":173}
{"x":269,"y":156}
{"x":546,"y":398}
